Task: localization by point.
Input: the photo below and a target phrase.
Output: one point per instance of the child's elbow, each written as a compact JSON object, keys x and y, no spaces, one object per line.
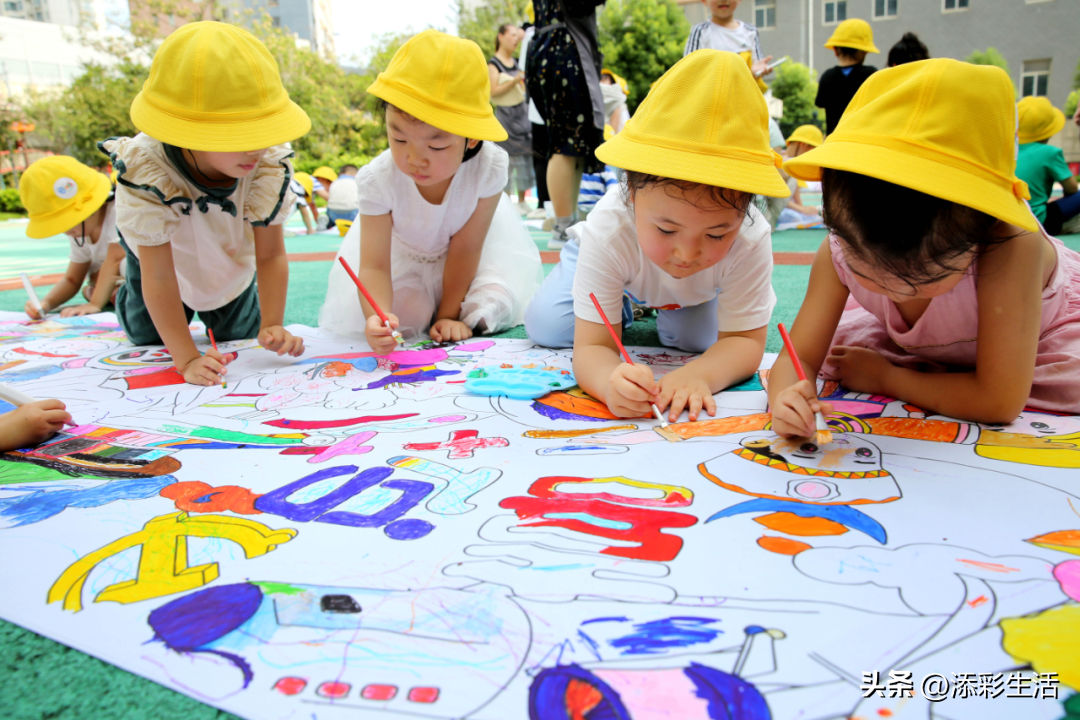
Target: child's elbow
{"x":999,"y":410}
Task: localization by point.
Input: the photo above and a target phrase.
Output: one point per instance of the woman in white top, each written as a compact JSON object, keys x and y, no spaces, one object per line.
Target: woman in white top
{"x":438,"y":245}
{"x":62,"y":195}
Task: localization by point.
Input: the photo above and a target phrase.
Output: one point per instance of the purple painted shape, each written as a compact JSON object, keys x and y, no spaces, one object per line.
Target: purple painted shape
{"x":276,"y":502}
{"x":416,"y":377}
{"x":557,"y":414}
{"x":411,"y":529}
{"x":413,"y":491}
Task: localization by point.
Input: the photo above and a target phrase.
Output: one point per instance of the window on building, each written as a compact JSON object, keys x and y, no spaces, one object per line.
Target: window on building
{"x":16,"y":7}
{"x":1036,"y":78}
{"x":835,"y":11}
{"x":17,"y":70}
{"x":885,"y":8}
{"x":956,"y":4}
{"x":765,"y":13}
{"x":46,"y":73}
{"x":271,"y":3}
{"x":276,"y":22}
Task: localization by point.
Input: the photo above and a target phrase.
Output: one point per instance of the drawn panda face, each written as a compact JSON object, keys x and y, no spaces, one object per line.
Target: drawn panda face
{"x":1039,"y":424}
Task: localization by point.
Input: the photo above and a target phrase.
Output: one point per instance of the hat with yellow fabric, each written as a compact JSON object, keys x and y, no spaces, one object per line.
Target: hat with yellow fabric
{"x":59,"y":192}
{"x":855,"y":34}
{"x":704,"y":121}
{"x":1039,"y":120}
{"x":530,"y":12}
{"x":325,"y":172}
{"x":441,"y":80}
{"x":306,"y":181}
{"x":808,"y":135}
{"x":911,"y":125}
{"x":621,"y":82}
{"x":215,"y":87}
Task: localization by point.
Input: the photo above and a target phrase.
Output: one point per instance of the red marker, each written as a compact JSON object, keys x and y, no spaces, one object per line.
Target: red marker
{"x":371,"y":301}
{"x":210,"y":332}
{"x":823,"y":434}
{"x":626,"y":355}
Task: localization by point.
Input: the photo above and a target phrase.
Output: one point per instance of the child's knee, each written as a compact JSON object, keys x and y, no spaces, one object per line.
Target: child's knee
{"x":547,"y":326}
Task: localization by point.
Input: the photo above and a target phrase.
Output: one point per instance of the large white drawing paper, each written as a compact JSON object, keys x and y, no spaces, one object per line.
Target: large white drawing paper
{"x":347,"y":535}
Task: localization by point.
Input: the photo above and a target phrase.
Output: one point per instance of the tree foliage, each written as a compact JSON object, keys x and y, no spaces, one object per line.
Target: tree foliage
{"x":480,"y":23}
{"x":990,"y":56}
{"x":640,"y":40}
{"x":796,"y":85}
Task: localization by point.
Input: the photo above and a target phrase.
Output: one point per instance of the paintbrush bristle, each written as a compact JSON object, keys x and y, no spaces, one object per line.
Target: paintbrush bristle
{"x":666,"y":432}
{"x":823,"y":437}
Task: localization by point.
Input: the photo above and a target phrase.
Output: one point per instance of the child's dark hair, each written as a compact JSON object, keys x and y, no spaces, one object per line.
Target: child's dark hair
{"x":909,"y":49}
{"x":720,"y":197}
{"x":920,"y":248}
{"x":846,"y":52}
{"x":470,"y":152}
{"x":502,"y":29}
{"x":346,"y":168}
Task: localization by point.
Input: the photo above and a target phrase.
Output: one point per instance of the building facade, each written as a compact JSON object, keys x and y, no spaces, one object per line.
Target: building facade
{"x":1038,"y":38}
{"x":40,"y":55}
{"x":72,"y":13}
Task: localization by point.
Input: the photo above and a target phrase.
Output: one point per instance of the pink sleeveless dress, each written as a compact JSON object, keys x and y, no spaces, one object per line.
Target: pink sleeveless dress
{"x":945,"y":337}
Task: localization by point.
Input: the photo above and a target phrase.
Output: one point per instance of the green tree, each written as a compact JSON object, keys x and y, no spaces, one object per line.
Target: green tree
{"x":796,"y":85}
{"x":640,"y":40}
{"x":990,"y":56}
{"x":481,"y":23}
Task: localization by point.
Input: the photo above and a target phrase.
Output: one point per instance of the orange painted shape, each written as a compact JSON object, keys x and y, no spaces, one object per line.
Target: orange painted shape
{"x":1063,"y":540}
{"x":990,"y":566}
{"x":981,"y":600}
{"x":884,"y":712}
{"x":782,"y":546}
{"x":792,"y":524}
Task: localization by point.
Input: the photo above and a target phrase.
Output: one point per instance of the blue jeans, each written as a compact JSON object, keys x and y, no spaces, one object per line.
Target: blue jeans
{"x":549,"y":319}
{"x":336,"y":215}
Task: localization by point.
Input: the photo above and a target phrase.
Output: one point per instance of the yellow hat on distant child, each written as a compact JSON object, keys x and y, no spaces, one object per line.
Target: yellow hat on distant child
{"x":807,"y":134}
{"x":621,"y":82}
{"x":441,"y":80}
{"x":911,"y":125}
{"x":530,"y":12}
{"x":215,"y":87}
{"x":325,"y":172}
{"x":306,"y":181}
{"x":1039,"y":119}
{"x":59,"y":192}
{"x":855,"y":34}
{"x":704,"y":121}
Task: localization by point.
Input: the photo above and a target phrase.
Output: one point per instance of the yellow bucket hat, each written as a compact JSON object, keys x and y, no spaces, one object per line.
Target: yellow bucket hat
{"x":325,"y":173}
{"x":215,"y":87}
{"x":704,"y":121}
{"x":911,"y":125}
{"x":1039,"y":119}
{"x":59,"y":192}
{"x":621,"y":82}
{"x":855,"y":34}
{"x":443,"y":81}
{"x":306,"y":182}
{"x":530,"y":12}
{"x":808,"y":134}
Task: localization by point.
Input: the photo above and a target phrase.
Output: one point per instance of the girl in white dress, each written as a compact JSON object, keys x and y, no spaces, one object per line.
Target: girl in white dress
{"x":437,"y":244}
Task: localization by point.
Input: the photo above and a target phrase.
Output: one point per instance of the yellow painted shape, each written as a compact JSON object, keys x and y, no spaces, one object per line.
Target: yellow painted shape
{"x":163,"y":562}
{"x":1047,"y":641}
{"x":1063,"y":540}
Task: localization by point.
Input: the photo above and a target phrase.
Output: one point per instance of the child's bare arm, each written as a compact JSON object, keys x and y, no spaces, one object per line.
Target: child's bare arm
{"x":161,"y":292}
{"x":734,"y":356}
{"x":462,"y":259}
{"x":374,"y":272}
{"x":1010,"y":304}
{"x":793,"y":403}
{"x":62,"y":291}
{"x":108,"y":276}
{"x":626,"y":389}
{"x":32,"y":424}
{"x":272,"y":265}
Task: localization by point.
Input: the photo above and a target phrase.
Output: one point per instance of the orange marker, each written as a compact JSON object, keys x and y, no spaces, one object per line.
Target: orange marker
{"x":823,"y":434}
{"x":371,"y":300}
{"x":626,"y":355}
{"x":210,"y":332}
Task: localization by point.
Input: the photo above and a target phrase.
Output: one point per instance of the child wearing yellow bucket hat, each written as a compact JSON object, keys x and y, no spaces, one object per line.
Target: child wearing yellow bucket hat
{"x":203,"y":191}
{"x":437,"y":243}
{"x":1041,"y":165}
{"x":959,"y":304}
{"x":681,"y":236}
{"x":62,"y":195}
{"x":851,"y":41}
{"x":790,"y":213}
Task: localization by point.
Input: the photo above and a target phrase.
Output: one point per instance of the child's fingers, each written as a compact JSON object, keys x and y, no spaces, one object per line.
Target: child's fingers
{"x":710,"y":405}
{"x":631,"y":390}
{"x":796,"y":412}
{"x":57,"y":417}
{"x":695,"y":406}
{"x":51,"y":404}
{"x":642,"y":376}
{"x":678,"y":404}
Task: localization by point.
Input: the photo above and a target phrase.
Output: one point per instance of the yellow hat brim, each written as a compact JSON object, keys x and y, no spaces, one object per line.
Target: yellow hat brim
{"x":910,"y":166}
{"x":855,"y":45}
{"x":45,"y":226}
{"x":218,"y":132}
{"x":1054,"y":129}
{"x":735,"y":170}
{"x":473,"y":127}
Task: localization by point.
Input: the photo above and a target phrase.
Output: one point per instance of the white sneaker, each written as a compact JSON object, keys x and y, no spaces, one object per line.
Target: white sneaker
{"x":557,"y":243}
{"x":537,"y":214}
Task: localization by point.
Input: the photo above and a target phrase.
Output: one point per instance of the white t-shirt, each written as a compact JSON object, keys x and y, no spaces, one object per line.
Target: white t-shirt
{"x":213,"y":244}
{"x":611,"y":262}
{"x":739,"y":40}
{"x":95,"y":253}
{"x":426,"y":229}
{"x":344,"y":196}
{"x":299,"y":191}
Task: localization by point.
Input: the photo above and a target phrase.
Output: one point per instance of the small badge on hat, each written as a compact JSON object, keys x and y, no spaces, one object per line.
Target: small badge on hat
{"x":65,"y":188}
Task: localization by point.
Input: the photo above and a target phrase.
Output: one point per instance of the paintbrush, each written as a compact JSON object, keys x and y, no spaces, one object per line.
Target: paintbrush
{"x":34,"y":299}
{"x":209,"y":332}
{"x":371,"y":301}
{"x":823,"y":436}
{"x":663,"y":423}
{"x":18,"y":398}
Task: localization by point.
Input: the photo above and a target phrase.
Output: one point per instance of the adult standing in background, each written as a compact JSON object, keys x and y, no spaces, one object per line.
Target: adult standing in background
{"x":536,"y":121}
{"x":512,"y":110}
{"x":564,"y":80}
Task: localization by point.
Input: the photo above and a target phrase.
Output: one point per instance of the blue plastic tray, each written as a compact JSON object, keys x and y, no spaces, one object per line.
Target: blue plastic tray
{"x":519,"y":383}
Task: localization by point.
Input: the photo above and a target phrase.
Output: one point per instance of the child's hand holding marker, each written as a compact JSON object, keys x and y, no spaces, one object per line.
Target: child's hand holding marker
{"x":632,"y":390}
{"x":794,"y":414}
{"x":380,"y":335}
{"x":207,"y":369}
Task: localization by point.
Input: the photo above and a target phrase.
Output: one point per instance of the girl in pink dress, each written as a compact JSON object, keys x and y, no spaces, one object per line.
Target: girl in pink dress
{"x":961,"y":303}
